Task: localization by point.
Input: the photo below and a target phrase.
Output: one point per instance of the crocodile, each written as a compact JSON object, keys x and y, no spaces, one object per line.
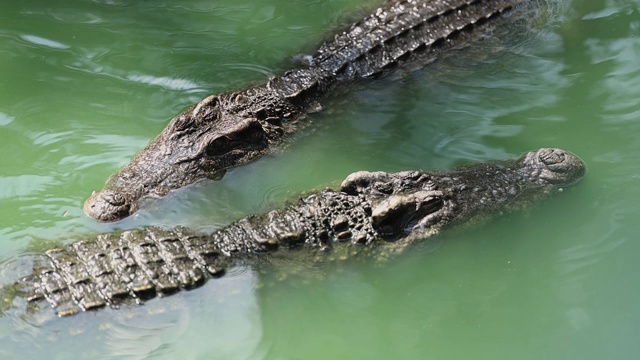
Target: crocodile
{"x":230,"y":129}
{"x":372,"y":214}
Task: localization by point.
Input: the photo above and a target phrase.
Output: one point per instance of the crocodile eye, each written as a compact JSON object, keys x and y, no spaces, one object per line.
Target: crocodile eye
{"x":247,"y":134}
{"x":401,"y":213}
{"x":430,"y":205}
{"x":248,"y":130}
{"x":219,"y":146}
{"x":183,"y":122}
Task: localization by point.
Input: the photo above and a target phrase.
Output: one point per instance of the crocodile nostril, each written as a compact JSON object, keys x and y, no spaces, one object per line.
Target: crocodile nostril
{"x":551,"y":156}
{"x":107,"y":206}
{"x":114,"y":199}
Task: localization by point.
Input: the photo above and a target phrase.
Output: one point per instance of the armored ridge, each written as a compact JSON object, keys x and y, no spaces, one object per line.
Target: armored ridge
{"x":231,"y":129}
{"x":385,"y":211}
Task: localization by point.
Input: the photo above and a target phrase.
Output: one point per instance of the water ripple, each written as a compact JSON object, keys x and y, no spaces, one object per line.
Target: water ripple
{"x":254,"y":68}
{"x":5,"y":119}
{"x":164,"y":81}
{"x":24,"y":185}
{"x":38,"y":40}
{"x":78,"y":17}
{"x":90,"y":65}
{"x":47,"y":138}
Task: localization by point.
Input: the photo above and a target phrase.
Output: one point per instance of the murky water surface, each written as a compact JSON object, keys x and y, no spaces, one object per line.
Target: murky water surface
{"x":86,"y":84}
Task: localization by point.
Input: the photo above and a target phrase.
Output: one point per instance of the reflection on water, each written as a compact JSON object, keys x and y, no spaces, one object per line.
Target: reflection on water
{"x":85,"y":86}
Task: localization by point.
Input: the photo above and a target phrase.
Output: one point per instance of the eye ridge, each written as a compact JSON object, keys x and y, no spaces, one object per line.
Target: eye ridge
{"x":224,"y":144}
{"x":221,"y":145}
{"x":432,"y":204}
{"x":244,"y":134}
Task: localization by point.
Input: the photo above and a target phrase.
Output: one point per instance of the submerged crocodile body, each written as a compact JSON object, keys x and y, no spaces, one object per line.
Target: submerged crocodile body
{"x":374,"y":212}
{"x":230,"y":129}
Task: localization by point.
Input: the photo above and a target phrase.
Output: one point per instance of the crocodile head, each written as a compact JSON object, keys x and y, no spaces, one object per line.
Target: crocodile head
{"x":199,"y":143}
{"x":416,"y":204}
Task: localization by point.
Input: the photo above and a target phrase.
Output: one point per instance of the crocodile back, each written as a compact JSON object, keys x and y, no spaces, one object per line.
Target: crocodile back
{"x":407,"y":29}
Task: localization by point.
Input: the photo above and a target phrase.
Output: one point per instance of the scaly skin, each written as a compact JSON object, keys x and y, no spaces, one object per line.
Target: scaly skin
{"x":373,"y":210}
{"x":231,"y":129}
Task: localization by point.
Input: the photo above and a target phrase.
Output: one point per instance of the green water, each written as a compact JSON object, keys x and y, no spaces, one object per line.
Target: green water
{"x":86,"y":84}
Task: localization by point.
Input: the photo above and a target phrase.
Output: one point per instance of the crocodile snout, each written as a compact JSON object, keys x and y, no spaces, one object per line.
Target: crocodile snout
{"x":107,"y":205}
{"x":557,"y":166}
